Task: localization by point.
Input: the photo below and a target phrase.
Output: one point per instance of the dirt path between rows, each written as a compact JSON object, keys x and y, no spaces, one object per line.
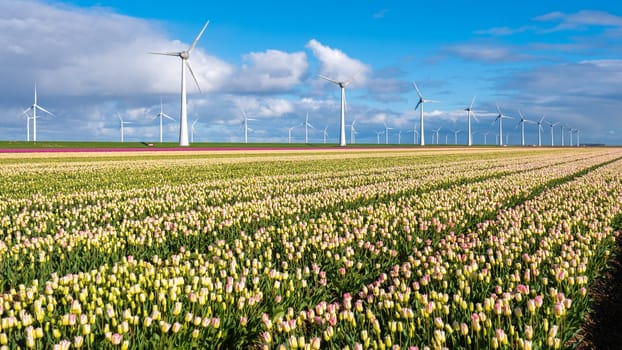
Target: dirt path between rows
{"x":603,"y":325}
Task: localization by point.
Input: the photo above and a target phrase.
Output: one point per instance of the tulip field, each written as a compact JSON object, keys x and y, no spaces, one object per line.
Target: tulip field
{"x":325,"y":249}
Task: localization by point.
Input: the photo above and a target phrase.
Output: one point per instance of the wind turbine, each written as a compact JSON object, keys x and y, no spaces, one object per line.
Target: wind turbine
{"x":399,"y":137}
{"x":378,"y":133}
{"x":34,"y":108}
{"x":245,"y":124}
{"x":325,"y":133}
{"x":500,"y":117}
{"x":122,"y":124}
{"x":193,"y":130}
{"x":456,"y":132}
{"x":421,"y":102}
{"x":307,"y":126}
{"x":342,"y":124}
{"x":289,"y":134}
{"x":415,"y":132}
{"x":570,"y":131}
{"x":185,"y":63}
{"x":522,"y":122}
{"x":353,"y":132}
{"x":552,"y":126}
{"x":540,"y":131}
{"x":436,"y":132}
{"x":486,"y":137}
{"x":469,"y":113}
{"x":562,"y":126}
{"x":578,"y":131}
{"x":27,"y":125}
{"x":162,"y":115}
{"x":386,"y":133}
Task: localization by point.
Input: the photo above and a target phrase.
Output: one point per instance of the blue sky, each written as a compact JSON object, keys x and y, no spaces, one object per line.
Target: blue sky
{"x":560,"y":59}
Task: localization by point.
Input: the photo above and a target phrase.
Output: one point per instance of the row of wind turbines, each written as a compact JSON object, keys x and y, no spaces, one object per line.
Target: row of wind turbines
{"x":342,"y":84}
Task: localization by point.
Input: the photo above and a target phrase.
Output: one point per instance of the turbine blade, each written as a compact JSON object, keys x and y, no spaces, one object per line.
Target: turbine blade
{"x":192,"y":73}
{"x":352,"y":78}
{"x":194,"y":43}
{"x":167,"y":116}
{"x":472,"y":101}
{"x":45,"y":110}
{"x":329,"y":79}
{"x":418,"y":92}
{"x":499,"y":109}
{"x":417,"y":106}
{"x":177,"y":54}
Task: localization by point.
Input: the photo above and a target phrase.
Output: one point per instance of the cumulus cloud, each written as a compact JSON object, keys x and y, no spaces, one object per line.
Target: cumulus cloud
{"x":335,"y":64}
{"x":272,"y":70}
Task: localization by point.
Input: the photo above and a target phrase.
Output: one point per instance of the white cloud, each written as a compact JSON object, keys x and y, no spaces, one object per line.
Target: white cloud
{"x":580,"y":20}
{"x":336,"y":65}
{"x":272,"y":70}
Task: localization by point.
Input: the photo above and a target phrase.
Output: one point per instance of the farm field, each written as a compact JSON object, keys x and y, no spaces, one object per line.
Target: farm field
{"x":322,"y":249}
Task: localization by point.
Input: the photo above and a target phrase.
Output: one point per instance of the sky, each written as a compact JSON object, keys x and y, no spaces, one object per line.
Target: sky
{"x":90,"y":62}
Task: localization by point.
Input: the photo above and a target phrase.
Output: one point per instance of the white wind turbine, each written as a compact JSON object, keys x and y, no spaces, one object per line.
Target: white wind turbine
{"x":162,"y":115}
{"x":378,"y":133}
{"x":353,"y":132}
{"x":245,"y":125}
{"x":456,"y":132}
{"x":122,"y":123}
{"x":522,"y":122}
{"x":386,"y":133}
{"x":540,"y":131}
{"x":562,"y":126}
{"x":415,"y":132}
{"x":578,"y":131}
{"x":185,"y":63}
{"x":307,"y":126}
{"x":399,"y":137}
{"x":486,"y":137}
{"x":421,"y":102}
{"x":27,"y":125}
{"x":34,"y":108}
{"x":342,"y":123}
{"x":437,"y":136}
{"x":500,"y":118}
{"x":570,"y":132}
{"x":193,"y":130}
{"x":552,"y":126}
{"x":325,"y":133}
{"x":469,"y":111}
{"x":289,"y":134}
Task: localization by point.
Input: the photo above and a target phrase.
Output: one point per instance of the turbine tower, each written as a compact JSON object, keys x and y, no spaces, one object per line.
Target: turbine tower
{"x":522,"y":122}
{"x":469,"y":111}
{"x":552,"y":126}
{"x":378,"y":133}
{"x":122,"y":124}
{"x":540,"y":131}
{"x":415,"y":132}
{"x":342,"y":123}
{"x":34,"y":108}
{"x":325,"y":133}
{"x":562,"y":126}
{"x":193,"y":130}
{"x":456,"y":132}
{"x":353,"y":132}
{"x":307,"y":126}
{"x":500,"y":118}
{"x":245,"y":125}
{"x":289,"y":134}
{"x":386,"y":133}
{"x":185,"y":63}
{"x":162,"y":115}
{"x":437,"y":136}
{"x":421,"y":102}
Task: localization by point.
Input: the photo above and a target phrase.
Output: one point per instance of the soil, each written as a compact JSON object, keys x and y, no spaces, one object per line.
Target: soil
{"x":603,"y":324}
